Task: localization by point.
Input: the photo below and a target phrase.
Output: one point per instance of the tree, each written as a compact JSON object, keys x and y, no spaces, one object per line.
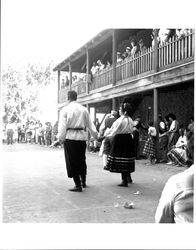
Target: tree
{"x":20,"y":90}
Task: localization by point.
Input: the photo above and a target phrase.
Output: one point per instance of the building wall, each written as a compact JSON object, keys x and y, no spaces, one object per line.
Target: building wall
{"x":178,"y":99}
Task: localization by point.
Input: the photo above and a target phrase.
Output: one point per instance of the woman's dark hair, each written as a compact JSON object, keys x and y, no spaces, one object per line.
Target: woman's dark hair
{"x":72,"y":95}
{"x":172,"y":116}
{"x":150,"y":123}
{"x":126,"y":108}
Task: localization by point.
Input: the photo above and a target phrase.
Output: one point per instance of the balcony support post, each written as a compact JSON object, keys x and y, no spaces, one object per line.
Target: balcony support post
{"x":114,"y":48}
{"x":59,"y":87}
{"x":155,"y":118}
{"x":70,"y":75}
{"x":156,"y":51}
{"x":87,"y":70}
{"x":59,"y":84}
{"x":114,"y":103}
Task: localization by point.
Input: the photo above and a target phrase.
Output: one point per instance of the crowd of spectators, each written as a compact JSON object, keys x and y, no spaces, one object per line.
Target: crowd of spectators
{"x":31,"y":132}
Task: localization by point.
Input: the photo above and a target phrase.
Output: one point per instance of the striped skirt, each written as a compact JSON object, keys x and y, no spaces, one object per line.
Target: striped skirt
{"x":121,"y":158}
{"x":178,"y":156}
{"x":149,"y":147}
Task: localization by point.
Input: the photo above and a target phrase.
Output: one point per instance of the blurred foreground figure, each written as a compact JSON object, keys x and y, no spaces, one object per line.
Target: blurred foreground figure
{"x":176,"y":202}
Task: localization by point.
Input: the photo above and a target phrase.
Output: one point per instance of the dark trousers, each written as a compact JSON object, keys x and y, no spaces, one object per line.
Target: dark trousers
{"x":76,"y":160}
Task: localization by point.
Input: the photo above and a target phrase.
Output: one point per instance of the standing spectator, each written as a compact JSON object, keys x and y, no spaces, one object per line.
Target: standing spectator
{"x":191,"y":124}
{"x":119,"y":58}
{"x":100,"y":65}
{"x":135,"y":48}
{"x":66,"y":81}
{"x":149,"y":147}
{"x":94,"y":69}
{"x":108,"y":65}
{"x":41,"y":132}
{"x":106,"y":144}
{"x":63,"y":84}
{"x":23,"y":132}
{"x":173,"y":132}
{"x":176,"y":202}
{"x":72,"y":131}
{"x":137,"y":125}
{"x":121,"y":158}
{"x":10,"y":132}
{"x":32,"y":132}
{"x":142,"y":45}
{"x":163,"y":140}
{"x":48,"y":134}
{"x":55,"y":131}
{"x":19,"y":132}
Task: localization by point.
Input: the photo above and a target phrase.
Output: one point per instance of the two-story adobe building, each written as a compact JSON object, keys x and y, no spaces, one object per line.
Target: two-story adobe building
{"x":158,"y":79}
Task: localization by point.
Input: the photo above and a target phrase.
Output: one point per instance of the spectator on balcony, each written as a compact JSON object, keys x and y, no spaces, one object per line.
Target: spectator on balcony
{"x":66,"y":81}
{"x":164,"y":35}
{"x":63,"y":84}
{"x":100,"y":65}
{"x":94,"y":69}
{"x":127,"y":53}
{"x":108,"y":65}
{"x":142,"y":46}
{"x":135,"y":48}
{"x":118,"y":57}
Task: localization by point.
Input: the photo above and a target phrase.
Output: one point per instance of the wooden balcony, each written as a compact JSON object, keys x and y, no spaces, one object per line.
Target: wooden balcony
{"x":173,"y":53}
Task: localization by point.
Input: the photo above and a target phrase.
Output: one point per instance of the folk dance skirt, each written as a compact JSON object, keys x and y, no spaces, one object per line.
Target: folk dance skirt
{"x":75,"y":158}
{"x":178,"y":156}
{"x":149,"y":147}
{"x":121,"y":158}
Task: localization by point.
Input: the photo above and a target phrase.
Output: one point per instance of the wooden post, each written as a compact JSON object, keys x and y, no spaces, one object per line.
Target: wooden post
{"x":70,"y":75}
{"x":114,"y":51}
{"x":114,"y":104}
{"x":155,"y":114}
{"x":59,"y":84}
{"x":87,"y":70}
{"x":156,"y":52}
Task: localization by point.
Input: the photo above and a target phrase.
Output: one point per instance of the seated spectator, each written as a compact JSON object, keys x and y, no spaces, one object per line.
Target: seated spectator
{"x":177,"y":155}
{"x":94,"y":69}
{"x":118,"y":57}
{"x":135,"y":48}
{"x":176,"y":202}
{"x":142,"y":46}
{"x":101,"y":66}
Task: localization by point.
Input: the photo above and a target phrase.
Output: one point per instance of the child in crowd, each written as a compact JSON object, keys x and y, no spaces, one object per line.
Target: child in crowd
{"x":149,"y":147}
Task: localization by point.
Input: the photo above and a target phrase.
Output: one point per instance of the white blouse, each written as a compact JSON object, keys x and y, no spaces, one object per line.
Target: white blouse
{"x":123,"y":125}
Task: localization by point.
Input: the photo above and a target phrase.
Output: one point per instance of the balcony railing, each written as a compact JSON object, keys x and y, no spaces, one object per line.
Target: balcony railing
{"x":140,"y":63}
{"x":176,"y":50}
{"x":101,"y":79}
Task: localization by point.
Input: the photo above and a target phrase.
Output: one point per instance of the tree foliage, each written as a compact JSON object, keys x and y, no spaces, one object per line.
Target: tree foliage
{"x":20,"y":89}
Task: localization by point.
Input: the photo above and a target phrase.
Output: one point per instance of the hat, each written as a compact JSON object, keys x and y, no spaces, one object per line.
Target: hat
{"x":128,"y":48}
{"x":118,"y":53}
